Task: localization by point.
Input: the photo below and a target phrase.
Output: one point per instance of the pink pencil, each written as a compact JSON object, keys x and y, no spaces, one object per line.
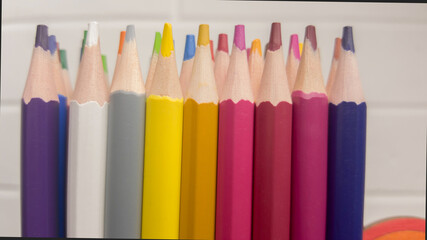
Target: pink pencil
{"x":292,"y":62}
{"x":222,"y":61}
{"x":309,"y":145}
{"x":235,"y":147}
{"x":272,"y":148}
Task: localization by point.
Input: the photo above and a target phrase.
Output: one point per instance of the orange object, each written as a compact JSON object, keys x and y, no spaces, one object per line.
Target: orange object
{"x":396,"y":229}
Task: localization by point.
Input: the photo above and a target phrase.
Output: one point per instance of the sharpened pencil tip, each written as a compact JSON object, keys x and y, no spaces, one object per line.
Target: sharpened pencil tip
{"x":275,"y":37}
{"x":157,"y":42}
{"x":92,"y":34}
{"x":256,"y":47}
{"x":122,"y":39}
{"x":310,"y":34}
{"x":52,"y":44}
{"x":239,"y":37}
{"x":294,"y":46}
{"x":203,"y":38}
{"x":223,"y":42}
{"x":337,"y":48}
{"x":130,"y":33}
{"x":190,"y":47}
{"x":167,"y":47}
{"x":42,"y":37}
{"x":63,"y":55}
{"x":347,"y":39}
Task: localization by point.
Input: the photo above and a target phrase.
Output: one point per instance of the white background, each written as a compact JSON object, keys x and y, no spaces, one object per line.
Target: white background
{"x":391,"y":46}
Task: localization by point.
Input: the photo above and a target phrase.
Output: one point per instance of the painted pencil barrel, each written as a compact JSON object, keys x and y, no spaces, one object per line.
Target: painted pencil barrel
{"x":62,"y":165}
{"x":235,"y":165}
{"x":162,"y":167}
{"x":199,"y":161}
{"x":123,"y":193}
{"x":272,"y":171}
{"x":309,"y":165}
{"x":87,"y":143}
{"x":39,"y":168}
{"x":346,"y":170}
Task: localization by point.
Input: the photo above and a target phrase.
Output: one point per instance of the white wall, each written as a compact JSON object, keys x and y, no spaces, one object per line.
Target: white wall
{"x":391,"y":46}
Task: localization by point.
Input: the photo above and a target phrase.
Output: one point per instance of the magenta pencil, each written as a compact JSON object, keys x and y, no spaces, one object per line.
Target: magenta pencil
{"x":272,"y":148}
{"x":221,"y":62}
{"x":235,"y":147}
{"x":309,"y":145}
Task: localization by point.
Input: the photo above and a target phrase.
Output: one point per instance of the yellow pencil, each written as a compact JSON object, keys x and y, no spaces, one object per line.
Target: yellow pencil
{"x":199,"y":151}
{"x":163,"y":142}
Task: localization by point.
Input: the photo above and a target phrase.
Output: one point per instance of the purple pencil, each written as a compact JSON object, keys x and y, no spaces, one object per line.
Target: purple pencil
{"x":39,"y":145}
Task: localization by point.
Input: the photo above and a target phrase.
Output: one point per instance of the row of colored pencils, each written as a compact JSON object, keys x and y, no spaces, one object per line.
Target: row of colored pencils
{"x":236,"y":147}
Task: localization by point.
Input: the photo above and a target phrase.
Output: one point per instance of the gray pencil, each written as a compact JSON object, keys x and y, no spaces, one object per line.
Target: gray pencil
{"x":126,"y":130}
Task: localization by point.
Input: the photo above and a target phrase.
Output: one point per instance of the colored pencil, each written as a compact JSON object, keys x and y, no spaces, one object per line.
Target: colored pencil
{"x":65,"y":74}
{"x":154,"y":57}
{"x":87,"y":144}
{"x":235,"y":147}
{"x":346,"y":147}
{"x":334,"y":65}
{"x":309,"y":145}
{"x":248,"y":53}
{"x":126,"y":123}
{"x":272,"y":148}
{"x":199,"y":149}
{"x":187,"y":64}
{"x":56,"y":71}
{"x":163,"y":143}
{"x":256,"y":66}
{"x":105,"y":68}
{"x":119,"y":53}
{"x":222,"y":61}
{"x":39,"y":145}
{"x":301,"y":46}
{"x":292,"y":61}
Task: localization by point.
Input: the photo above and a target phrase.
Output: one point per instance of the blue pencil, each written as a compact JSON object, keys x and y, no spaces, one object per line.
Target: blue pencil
{"x":62,"y":135}
{"x":346,"y":148}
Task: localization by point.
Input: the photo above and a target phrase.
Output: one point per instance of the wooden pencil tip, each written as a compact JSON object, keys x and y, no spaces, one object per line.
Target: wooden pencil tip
{"x":248,"y":52}
{"x":310,"y":34}
{"x":130,"y":33}
{"x":63,"y":55}
{"x":294,"y":46}
{"x":167,"y":47}
{"x":256,"y":47}
{"x":104,"y":63}
{"x":337,"y":48}
{"x":203,"y":38}
{"x":52,"y":44}
{"x":190,"y":47}
{"x":347,"y":39}
{"x":275,"y":37}
{"x":122,"y":40}
{"x":223,"y":42}
{"x":157,"y":42}
{"x":42,"y":37}
{"x":211,"y":47}
{"x":92,"y":34}
{"x":239,"y":37}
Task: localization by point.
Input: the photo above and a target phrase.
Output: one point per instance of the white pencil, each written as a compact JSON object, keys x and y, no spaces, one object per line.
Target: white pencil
{"x":87,"y":144}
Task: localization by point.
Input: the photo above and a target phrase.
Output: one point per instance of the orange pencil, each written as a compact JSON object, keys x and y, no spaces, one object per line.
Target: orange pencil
{"x":199,"y":149}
